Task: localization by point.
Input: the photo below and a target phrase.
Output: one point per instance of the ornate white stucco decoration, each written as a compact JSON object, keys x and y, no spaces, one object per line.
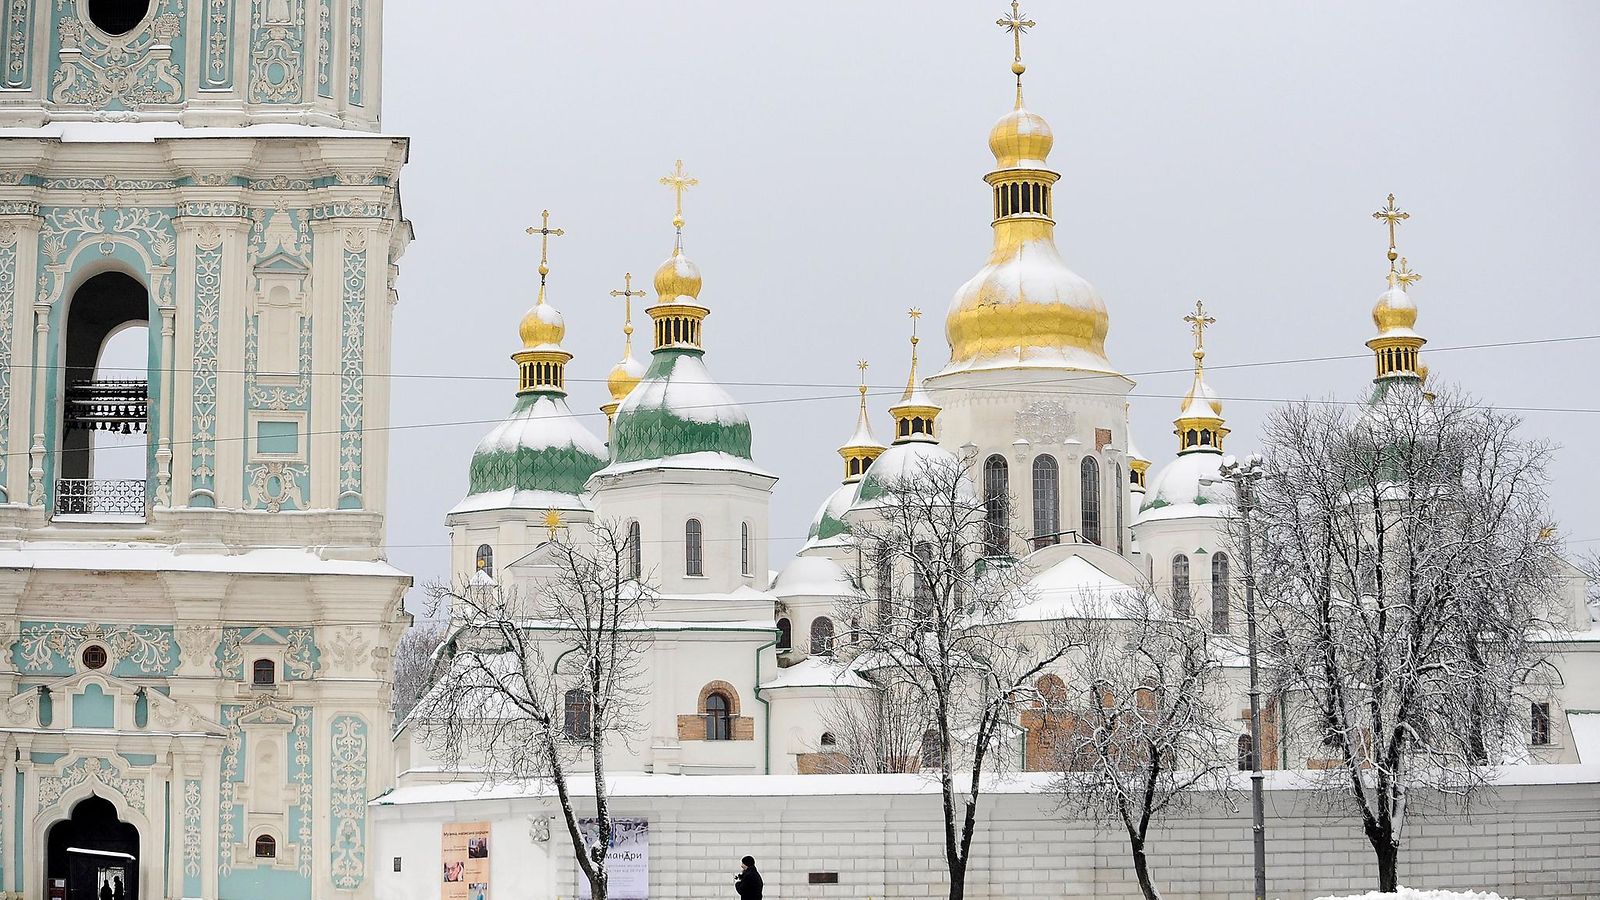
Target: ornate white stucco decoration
{"x":1047,"y":422}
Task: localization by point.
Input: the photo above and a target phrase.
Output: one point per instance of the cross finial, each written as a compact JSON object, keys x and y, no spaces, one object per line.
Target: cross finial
{"x":1017,"y":25}
{"x":911,"y":381}
{"x":544,"y":231}
{"x":679,"y":180}
{"x":1391,"y":215}
{"x":862,"y":365}
{"x":1198,"y":320}
{"x":627,"y":294}
{"x":1404,"y":276}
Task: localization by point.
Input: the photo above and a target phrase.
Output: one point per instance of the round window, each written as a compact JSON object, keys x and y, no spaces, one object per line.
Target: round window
{"x":117,"y":16}
{"x":94,"y":657}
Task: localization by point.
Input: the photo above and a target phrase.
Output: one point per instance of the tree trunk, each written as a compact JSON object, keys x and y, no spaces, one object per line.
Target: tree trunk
{"x":958,"y":879}
{"x":1388,"y":853}
{"x":1141,"y":868}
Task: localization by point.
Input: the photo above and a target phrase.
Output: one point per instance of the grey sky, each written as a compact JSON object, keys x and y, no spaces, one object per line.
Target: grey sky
{"x":1227,"y":150}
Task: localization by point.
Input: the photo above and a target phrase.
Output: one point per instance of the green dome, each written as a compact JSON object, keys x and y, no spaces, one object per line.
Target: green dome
{"x":540,"y":447}
{"x":677,"y":410}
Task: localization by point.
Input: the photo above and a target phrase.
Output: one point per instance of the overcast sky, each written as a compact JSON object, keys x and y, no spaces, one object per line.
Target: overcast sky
{"x":1232,"y":151}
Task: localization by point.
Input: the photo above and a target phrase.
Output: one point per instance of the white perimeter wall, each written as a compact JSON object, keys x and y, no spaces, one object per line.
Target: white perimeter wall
{"x":1537,"y":834}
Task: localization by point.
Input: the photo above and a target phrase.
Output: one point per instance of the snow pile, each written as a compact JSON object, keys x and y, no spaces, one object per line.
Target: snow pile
{"x":1415,"y":894}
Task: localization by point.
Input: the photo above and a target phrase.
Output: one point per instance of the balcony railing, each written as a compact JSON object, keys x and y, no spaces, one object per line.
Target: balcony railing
{"x":123,"y":497}
{"x":122,"y":406}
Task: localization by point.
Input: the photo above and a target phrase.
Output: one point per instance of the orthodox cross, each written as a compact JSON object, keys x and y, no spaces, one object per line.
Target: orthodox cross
{"x":679,"y":181}
{"x":544,"y":231}
{"x":1198,"y":320}
{"x":1391,"y":216}
{"x":1017,"y":25}
{"x":627,"y":294}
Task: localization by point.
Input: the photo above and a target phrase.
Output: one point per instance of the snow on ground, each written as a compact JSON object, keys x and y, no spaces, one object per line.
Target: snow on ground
{"x":1415,"y":894}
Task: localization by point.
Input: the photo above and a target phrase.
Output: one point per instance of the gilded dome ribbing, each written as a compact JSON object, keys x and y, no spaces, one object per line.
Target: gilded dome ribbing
{"x":1021,"y":139}
{"x":542,"y":326}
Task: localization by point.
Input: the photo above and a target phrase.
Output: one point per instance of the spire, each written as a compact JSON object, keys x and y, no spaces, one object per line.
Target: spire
{"x":678,"y":314}
{"x":628,"y":371}
{"x":541,"y":363}
{"x":862,"y":447}
{"x":1199,"y":425}
{"x":1397,"y":347}
{"x":1018,"y":26}
{"x":915,"y":413}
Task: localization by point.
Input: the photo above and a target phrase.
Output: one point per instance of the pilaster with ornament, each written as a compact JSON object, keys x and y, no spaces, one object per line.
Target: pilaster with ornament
{"x":14,"y":244}
{"x":352,"y":367}
{"x":325,"y":49}
{"x":217,"y":34}
{"x":211,"y":256}
{"x":347,"y":793}
{"x":357,"y":62}
{"x":18,"y":55}
{"x":277,"y":51}
{"x":207,"y":325}
{"x":280,"y":252}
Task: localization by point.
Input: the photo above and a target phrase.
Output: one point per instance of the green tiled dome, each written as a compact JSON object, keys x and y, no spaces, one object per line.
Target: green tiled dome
{"x":677,"y":409}
{"x":539,"y":447}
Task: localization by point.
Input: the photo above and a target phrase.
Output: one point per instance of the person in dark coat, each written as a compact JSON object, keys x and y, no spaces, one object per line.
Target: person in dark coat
{"x":748,"y":881}
{"x":105,"y":889}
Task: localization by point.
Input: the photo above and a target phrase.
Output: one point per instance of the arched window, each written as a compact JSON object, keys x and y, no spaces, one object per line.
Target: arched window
{"x":1247,"y":756}
{"x":1119,"y":497}
{"x":1089,"y":504}
{"x":822,"y":636}
{"x":635,"y":552}
{"x":1182,"y":605}
{"x":996,"y":500}
{"x":266,"y":847}
{"x":827,"y":740}
{"x":577,"y":714}
{"x":485,"y":559}
{"x":102,"y":461}
{"x":263,"y":673}
{"x":931,"y":757}
{"x":744,"y":548}
{"x":693,"y":551}
{"x":1046,"y":501}
{"x":719,"y":719}
{"x":785,"y":634}
{"x":1219,"y":593}
{"x":117,"y":17}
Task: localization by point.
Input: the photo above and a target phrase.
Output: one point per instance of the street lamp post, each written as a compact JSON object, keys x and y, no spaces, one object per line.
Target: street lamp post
{"x":1244,"y":477}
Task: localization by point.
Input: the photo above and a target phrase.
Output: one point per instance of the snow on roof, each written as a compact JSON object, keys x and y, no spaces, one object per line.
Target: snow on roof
{"x":689,"y":391}
{"x":1406,"y":893}
{"x":511,"y":498}
{"x":115,"y":556}
{"x":146,"y":132}
{"x":712,"y":460}
{"x":1181,"y":491}
{"x":1072,"y":588}
{"x":815,"y":672}
{"x":545,"y":421}
{"x":827,"y":526}
{"x":1585,"y":728}
{"x":811,"y":576}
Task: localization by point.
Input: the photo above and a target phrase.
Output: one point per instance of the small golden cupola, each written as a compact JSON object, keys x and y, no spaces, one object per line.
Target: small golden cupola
{"x":915,"y":414}
{"x":863,"y":447}
{"x":1398,"y":347}
{"x":628,"y":372}
{"x":1199,"y":425}
{"x":541,"y":363}
{"x":677,"y":314}
{"x":1025,"y":307}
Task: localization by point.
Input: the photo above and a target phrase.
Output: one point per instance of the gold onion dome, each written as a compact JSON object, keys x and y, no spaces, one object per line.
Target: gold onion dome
{"x":1025,"y":307}
{"x":542,"y":326}
{"x":678,"y":280}
{"x":624,"y":377}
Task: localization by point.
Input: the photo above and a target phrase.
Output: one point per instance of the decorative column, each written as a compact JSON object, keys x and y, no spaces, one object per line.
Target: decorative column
{"x":41,"y":356}
{"x":169,"y":404}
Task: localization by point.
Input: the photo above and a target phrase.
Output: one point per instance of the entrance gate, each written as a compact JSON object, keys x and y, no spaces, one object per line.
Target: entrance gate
{"x":93,"y":855}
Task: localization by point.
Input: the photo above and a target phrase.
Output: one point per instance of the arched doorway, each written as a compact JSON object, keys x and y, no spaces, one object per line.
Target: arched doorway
{"x":103,"y":464}
{"x":92,"y":850}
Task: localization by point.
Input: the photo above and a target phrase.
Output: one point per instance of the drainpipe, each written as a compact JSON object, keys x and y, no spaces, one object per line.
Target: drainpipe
{"x":766,"y":705}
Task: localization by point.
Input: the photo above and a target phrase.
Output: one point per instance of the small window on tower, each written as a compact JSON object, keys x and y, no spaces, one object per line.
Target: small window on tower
{"x":263,"y":673}
{"x":266,"y":847}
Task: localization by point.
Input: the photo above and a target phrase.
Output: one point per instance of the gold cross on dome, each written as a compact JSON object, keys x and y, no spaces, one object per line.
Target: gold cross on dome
{"x":544,"y":231}
{"x":679,"y":180}
{"x":627,"y":294}
{"x":1391,"y":215}
{"x":862,"y":365}
{"x":1198,"y":320}
{"x":1405,"y":276}
{"x":1017,"y":25}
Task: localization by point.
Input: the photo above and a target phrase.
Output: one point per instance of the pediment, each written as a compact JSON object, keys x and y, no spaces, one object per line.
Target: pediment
{"x":280,"y":263}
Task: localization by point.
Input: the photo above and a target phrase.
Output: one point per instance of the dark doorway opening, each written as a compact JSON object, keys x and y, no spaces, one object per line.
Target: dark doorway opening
{"x":92,"y":853}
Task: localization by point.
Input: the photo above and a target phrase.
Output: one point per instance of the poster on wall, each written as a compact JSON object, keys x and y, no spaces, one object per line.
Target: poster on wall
{"x":466,"y":861}
{"x":628,"y":862}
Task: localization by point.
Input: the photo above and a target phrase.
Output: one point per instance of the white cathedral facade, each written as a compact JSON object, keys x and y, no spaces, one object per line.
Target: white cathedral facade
{"x":199,"y":230}
{"x":745,"y":665}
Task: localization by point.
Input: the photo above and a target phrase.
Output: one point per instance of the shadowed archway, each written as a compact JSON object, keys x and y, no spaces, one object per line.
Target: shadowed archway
{"x":90,"y":851}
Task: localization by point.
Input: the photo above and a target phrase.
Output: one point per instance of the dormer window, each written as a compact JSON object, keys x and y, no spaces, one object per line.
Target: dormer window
{"x":263,"y":673}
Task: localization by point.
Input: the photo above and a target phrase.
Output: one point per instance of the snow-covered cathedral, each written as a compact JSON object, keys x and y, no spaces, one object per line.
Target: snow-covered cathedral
{"x":745,"y":663}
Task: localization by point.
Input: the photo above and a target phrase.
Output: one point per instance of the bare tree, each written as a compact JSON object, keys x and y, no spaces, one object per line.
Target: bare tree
{"x":876,"y":731}
{"x":1148,"y":733}
{"x":414,"y":664}
{"x":537,"y":685}
{"x":942,"y":630}
{"x":1406,"y":560}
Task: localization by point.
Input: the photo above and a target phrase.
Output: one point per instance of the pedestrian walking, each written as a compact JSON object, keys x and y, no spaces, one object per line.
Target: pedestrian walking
{"x":748,"y":881}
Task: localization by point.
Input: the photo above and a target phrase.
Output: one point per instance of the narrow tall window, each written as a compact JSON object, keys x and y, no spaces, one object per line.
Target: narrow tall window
{"x":1540,"y":735}
{"x":822,"y":636}
{"x":485,"y":559}
{"x":693,"y":550}
{"x":996,"y":493}
{"x":719,"y":721}
{"x":577,"y":714}
{"x":744,"y":548}
{"x":1119,"y":496}
{"x":1220,"y":598}
{"x":1247,"y":754}
{"x":785,"y":636}
{"x":635,"y":552}
{"x":1046,"y":501}
{"x":1182,"y":605}
{"x":1089,"y":492}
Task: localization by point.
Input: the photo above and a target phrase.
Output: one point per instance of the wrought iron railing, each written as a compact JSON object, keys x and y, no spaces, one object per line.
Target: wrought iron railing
{"x":100,"y":497}
{"x":122,"y":406}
